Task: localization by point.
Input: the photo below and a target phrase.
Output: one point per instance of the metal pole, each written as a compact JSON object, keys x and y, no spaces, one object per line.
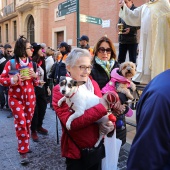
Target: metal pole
{"x":78,"y":22}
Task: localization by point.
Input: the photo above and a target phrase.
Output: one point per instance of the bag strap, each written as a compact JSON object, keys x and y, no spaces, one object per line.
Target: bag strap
{"x":70,"y":136}
{"x":13,"y":64}
{"x":34,"y":66}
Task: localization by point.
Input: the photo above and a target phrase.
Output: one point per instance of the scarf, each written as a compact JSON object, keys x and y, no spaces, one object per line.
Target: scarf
{"x":106,"y":65}
{"x":22,"y":63}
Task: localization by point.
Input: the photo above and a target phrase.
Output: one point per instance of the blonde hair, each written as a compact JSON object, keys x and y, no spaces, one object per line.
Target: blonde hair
{"x":49,"y":51}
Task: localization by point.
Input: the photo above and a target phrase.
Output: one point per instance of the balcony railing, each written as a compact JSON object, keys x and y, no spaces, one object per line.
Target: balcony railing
{"x":9,"y":9}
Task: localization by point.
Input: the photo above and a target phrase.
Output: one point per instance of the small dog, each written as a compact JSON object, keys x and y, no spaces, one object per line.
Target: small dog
{"x":121,"y":80}
{"x":79,"y":99}
{"x":127,"y":70}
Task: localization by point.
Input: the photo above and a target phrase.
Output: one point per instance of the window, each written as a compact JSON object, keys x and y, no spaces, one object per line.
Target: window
{"x":15,"y":30}
{"x":30,"y":29}
{"x":6,"y":29}
{"x":0,"y":36}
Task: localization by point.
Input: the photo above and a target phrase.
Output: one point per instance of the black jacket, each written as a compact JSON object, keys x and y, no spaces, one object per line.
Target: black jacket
{"x":99,"y":74}
{"x":101,"y":77}
{"x":4,"y":60}
{"x":130,"y":38}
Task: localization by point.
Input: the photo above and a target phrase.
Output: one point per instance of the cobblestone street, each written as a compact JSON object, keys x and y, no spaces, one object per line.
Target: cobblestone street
{"x":46,"y":153}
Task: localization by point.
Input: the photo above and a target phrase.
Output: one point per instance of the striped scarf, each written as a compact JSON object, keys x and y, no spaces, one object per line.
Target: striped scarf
{"x":106,"y":65}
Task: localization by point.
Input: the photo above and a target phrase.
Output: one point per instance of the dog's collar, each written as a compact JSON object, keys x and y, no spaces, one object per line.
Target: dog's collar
{"x":72,"y":94}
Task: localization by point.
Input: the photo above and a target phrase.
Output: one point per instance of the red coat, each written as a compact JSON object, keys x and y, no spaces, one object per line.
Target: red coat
{"x":84,"y":130}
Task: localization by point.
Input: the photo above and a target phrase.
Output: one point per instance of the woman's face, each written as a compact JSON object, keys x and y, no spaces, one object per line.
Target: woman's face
{"x":104,"y":51}
{"x":81,"y":70}
{"x":29,"y":49}
{"x":40,"y":52}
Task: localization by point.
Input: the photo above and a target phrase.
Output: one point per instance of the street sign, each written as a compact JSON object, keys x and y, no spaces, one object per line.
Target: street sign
{"x":67,"y":7}
{"x":90,"y":19}
{"x":66,"y":11}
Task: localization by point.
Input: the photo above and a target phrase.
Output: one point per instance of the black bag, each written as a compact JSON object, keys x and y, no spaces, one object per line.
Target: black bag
{"x":89,"y":156}
{"x":92,"y":156}
{"x":60,"y":71}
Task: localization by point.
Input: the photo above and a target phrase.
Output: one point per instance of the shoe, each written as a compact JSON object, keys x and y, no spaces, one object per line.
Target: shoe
{"x":10,"y":115}
{"x":42,"y":131}
{"x":34,"y":136}
{"x":24,"y":159}
{"x":29,"y":151}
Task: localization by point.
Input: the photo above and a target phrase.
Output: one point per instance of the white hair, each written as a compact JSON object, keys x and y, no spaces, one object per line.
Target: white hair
{"x":75,"y":54}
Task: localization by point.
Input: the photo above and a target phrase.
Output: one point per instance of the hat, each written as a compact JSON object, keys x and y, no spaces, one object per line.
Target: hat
{"x":43,"y":45}
{"x":84,"y":37}
{"x":36,"y":47}
{"x":63,"y":44}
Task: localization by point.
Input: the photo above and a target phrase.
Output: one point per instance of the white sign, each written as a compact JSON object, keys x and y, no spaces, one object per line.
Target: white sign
{"x":106,"y":23}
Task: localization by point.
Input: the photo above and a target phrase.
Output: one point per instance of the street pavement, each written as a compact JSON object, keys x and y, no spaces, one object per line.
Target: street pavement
{"x":46,"y":153}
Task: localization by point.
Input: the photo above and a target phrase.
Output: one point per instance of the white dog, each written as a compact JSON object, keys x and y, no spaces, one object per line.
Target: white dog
{"x":79,"y":99}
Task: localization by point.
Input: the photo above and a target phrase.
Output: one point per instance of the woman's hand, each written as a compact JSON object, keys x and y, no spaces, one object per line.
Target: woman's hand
{"x":106,"y":128}
{"x":15,"y":79}
{"x":32,"y":73}
{"x":23,"y":78}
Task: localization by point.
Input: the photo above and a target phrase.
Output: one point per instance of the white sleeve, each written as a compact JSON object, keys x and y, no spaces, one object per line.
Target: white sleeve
{"x":132,"y":18}
{"x":49,"y":64}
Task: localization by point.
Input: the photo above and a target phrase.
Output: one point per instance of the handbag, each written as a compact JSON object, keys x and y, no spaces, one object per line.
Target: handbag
{"x":90,"y":156}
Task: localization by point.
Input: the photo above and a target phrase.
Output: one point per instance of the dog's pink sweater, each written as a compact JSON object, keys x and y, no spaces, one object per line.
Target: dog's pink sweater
{"x":115,"y":77}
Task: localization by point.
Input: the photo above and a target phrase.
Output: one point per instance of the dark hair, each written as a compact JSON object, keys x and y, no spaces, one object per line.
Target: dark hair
{"x":1,"y":45}
{"x":20,"y":48}
{"x":35,"y":57}
{"x":68,"y":49}
{"x":105,"y":39}
{"x":7,"y":46}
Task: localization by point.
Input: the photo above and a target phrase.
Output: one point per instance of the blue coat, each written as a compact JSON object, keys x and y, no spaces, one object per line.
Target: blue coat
{"x":150,"y":149}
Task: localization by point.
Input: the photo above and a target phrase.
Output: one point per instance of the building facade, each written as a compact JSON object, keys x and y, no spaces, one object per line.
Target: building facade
{"x":38,"y":20}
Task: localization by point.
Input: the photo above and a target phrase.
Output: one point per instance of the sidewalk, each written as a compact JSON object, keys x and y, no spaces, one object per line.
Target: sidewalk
{"x":46,"y":153}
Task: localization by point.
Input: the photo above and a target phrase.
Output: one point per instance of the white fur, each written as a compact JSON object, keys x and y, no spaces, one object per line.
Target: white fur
{"x":83,"y":99}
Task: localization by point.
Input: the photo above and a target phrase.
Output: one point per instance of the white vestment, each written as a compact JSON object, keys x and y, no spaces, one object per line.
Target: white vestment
{"x":154,"y":44}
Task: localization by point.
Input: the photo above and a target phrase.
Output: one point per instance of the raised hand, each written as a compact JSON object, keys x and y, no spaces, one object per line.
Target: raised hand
{"x":121,"y":2}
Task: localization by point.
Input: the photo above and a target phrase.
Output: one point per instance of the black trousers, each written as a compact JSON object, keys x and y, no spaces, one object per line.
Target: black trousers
{"x":76,"y":164}
{"x":123,"y":48}
{"x":3,"y":96}
{"x":40,"y":108}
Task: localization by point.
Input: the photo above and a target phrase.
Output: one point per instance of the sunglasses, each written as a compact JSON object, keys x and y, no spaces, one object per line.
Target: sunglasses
{"x":102,"y":50}
{"x":31,"y":47}
{"x":9,"y":51}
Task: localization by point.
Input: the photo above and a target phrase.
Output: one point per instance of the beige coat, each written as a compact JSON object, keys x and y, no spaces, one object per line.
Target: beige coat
{"x":154,"y":45}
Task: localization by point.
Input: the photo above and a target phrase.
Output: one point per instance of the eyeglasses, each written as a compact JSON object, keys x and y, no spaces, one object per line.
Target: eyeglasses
{"x":9,"y":51}
{"x":31,"y":47}
{"x":102,"y":50}
{"x":84,"y":68}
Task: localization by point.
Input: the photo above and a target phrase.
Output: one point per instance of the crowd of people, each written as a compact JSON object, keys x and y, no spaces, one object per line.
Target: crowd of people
{"x":26,"y":73}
